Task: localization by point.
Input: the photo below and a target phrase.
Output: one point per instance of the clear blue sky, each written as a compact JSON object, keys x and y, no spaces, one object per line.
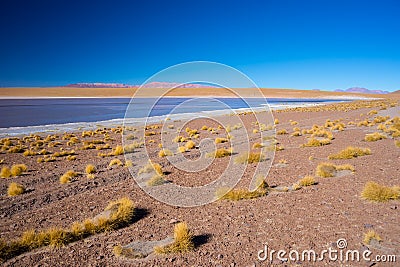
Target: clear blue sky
{"x":288,"y":44}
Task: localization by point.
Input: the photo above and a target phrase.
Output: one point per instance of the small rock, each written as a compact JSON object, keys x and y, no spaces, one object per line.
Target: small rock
{"x":173,"y":221}
{"x":220,"y":256}
{"x":171,"y":259}
{"x":90,"y":245}
{"x":394,"y":207}
{"x":99,"y":257}
{"x":367,"y":225}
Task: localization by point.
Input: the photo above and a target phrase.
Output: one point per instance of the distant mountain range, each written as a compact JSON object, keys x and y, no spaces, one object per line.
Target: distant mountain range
{"x":361,"y":90}
{"x":148,"y":85}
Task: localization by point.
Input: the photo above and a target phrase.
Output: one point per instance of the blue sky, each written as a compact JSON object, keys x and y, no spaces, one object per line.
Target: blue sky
{"x":287,"y":44}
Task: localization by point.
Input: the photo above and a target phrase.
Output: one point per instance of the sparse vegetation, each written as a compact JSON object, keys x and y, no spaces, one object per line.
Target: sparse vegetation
{"x":220,"y":140}
{"x":257,"y":145}
{"x":183,"y":241}
{"x":281,"y":132}
{"x":351,"y":152}
{"x":375,"y":192}
{"x":121,"y":214}
{"x":374,"y":137}
{"x":149,"y":167}
{"x":90,"y":169}
{"x":115,"y":162}
{"x":5,"y":172}
{"x":66,"y":177}
{"x":220,"y":153}
{"x":165,"y":153}
{"x":190,"y":144}
{"x":15,"y":189}
{"x":18,"y":169}
{"x":307,"y":181}
{"x":156,"y":180}
{"x":249,"y":157}
{"x":240,"y":194}
{"x":371,"y":235}
{"x":327,"y":169}
{"x":312,"y":142}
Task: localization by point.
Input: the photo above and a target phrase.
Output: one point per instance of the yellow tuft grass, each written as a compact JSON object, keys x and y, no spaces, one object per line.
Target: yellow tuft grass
{"x":250,"y":157}
{"x":327,"y":169}
{"x":156,"y":180}
{"x":121,"y":214}
{"x":397,"y":143}
{"x":257,"y":145}
{"x":375,"y":192}
{"x":240,"y":194}
{"x":351,"y":152}
{"x":374,"y":137}
{"x":165,"y":153}
{"x":220,"y":153}
{"x":183,"y":241}
{"x":307,"y":181}
{"x":276,"y":121}
{"x":220,"y":140}
{"x":312,"y":142}
{"x":90,"y":169}
{"x":118,"y":150}
{"x":149,"y":167}
{"x":371,"y":235}
{"x":5,"y":172}
{"x":18,"y":169}
{"x":66,"y":177}
{"x":15,"y":189}
{"x":190,"y":144}
{"x":115,"y":162}
{"x":281,"y":132}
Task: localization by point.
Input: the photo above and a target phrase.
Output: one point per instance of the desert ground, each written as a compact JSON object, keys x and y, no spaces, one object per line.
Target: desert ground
{"x":287,"y":212}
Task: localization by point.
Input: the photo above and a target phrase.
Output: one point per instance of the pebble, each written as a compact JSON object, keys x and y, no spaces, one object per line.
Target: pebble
{"x":220,"y":256}
{"x":173,"y":221}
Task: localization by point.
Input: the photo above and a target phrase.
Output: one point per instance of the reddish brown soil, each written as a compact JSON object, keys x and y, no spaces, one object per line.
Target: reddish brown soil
{"x":226,"y":233}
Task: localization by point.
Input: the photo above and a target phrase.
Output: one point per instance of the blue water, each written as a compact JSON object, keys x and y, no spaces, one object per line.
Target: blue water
{"x":31,"y":112}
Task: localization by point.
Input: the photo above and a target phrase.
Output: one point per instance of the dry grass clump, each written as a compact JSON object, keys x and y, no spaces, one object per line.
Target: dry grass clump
{"x":276,"y":121}
{"x":115,"y":162}
{"x":149,"y":167}
{"x":375,"y":192}
{"x":397,"y":143}
{"x":66,"y":177}
{"x":5,"y":172}
{"x":181,"y":149}
{"x":15,"y":189}
{"x":374,"y":137}
{"x":283,"y":161}
{"x":183,"y":241}
{"x":327,"y":169}
{"x":307,"y":181}
{"x":190,"y":144}
{"x":240,"y":194}
{"x":371,"y":235}
{"x":179,"y":139}
{"x":312,"y":142}
{"x":29,"y":153}
{"x":220,"y":140}
{"x":220,"y":153}
{"x":351,"y":152}
{"x":250,"y":157}
{"x":165,"y":153}
{"x":121,"y":214}
{"x":156,"y":180}
{"x":18,"y":169}
{"x":71,"y":158}
{"x":281,"y":132}
{"x":118,"y":150}
{"x":296,"y":133}
{"x":257,"y":145}
{"x":90,"y":169}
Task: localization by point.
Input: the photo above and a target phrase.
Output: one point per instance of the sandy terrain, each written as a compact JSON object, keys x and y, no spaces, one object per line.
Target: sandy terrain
{"x":149,"y":92}
{"x":226,"y":233}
